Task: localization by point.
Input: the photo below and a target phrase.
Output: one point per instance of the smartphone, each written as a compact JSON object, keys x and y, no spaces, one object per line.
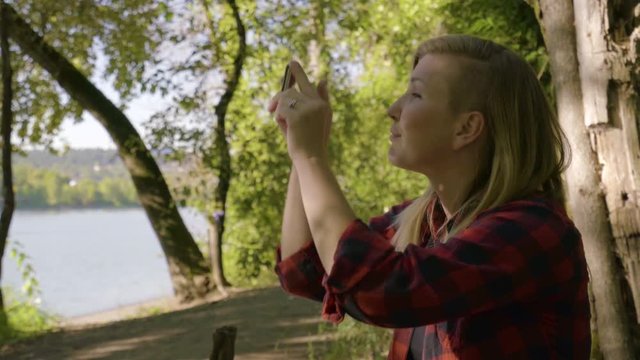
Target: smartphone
{"x":286,"y":80}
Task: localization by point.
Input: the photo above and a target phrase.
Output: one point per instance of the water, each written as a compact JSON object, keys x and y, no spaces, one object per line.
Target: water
{"x":89,"y":261}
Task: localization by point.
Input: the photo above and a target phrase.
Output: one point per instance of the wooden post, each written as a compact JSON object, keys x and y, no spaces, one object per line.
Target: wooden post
{"x":224,"y":339}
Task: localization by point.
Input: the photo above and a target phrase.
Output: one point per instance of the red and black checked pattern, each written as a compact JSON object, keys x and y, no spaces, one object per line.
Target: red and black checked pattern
{"x":512,"y":285}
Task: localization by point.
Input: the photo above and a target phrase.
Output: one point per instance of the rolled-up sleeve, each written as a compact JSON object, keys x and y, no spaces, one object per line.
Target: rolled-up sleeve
{"x":513,"y":253}
{"x":302,"y":272}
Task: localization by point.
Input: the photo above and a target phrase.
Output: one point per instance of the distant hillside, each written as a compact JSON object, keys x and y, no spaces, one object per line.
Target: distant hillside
{"x":81,"y":157}
{"x":85,"y":163}
{"x":93,"y":164}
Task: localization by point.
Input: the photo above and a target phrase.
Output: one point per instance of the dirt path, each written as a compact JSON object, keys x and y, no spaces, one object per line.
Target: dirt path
{"x":271,"y":325}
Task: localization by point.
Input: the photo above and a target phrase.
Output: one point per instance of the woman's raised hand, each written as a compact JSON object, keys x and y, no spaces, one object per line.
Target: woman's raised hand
{"x":309,"y":116}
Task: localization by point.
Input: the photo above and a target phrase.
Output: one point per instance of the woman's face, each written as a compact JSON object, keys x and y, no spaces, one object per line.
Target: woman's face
{"x":423,"y":122}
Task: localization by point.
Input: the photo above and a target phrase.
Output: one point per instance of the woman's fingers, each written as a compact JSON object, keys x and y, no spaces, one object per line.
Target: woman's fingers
{"x":282,"y":100}
{"x":301,"y":78}
{"x":298,"y":76}
{"x":273,"y":103}
{"x":323,"y":91}
{"x":280,"y":108}
{"x":292,"y":81}
{"x":282,"y":124}
{"x":290,"y":93}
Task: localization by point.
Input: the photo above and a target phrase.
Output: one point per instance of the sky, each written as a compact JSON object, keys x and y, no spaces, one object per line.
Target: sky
{"x":90,"y":134}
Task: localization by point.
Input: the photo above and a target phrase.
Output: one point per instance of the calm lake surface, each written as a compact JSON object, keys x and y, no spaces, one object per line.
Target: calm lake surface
{"x":89,"y":261}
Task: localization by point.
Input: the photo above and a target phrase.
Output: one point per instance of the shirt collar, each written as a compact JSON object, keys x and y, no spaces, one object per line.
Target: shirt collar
{"x":439,"y":218}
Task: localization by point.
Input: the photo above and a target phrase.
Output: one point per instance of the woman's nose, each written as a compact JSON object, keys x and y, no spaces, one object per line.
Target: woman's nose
{"x":394,"y":110}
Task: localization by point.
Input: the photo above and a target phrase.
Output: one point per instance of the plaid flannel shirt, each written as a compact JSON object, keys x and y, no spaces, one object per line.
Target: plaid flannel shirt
{"x":512,"y":285}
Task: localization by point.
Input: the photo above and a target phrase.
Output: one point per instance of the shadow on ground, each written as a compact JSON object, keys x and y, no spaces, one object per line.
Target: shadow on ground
{"x":271,"y":325}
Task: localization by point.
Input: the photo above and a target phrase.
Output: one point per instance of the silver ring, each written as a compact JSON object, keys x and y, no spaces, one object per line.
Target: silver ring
{"x":292,"y":104}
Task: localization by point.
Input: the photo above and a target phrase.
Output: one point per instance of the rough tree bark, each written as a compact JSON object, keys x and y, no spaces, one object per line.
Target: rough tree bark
{"x":7,"y":175}
{"x":596,"y":109}
{"x":220,"y":155}
{"x":188,"y":269}
{"x":611,"y":106}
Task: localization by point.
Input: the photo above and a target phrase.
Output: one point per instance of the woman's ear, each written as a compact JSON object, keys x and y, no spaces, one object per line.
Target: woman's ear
{"x":468,"y":128}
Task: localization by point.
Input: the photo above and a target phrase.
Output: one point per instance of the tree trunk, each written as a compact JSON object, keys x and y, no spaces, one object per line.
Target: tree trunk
{"x":7,"y":175}
{"x":596,"y":354}
{"x":220,"y":156}
{"x":215,"y":251}
{"x":189,"y":272}
{"x":607,"y":38}
{"x":610,"y":104}
{"x":585,"y":193}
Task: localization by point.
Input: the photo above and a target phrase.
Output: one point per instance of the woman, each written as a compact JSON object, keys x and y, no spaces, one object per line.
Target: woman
{"x":486,"y":263}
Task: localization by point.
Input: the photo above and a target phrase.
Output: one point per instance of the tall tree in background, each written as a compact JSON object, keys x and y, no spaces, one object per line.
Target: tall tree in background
{"x":189,"y":273}
{"x":594,"y":65}
{"x":197,"y":127}
{"x":5,"y":130}
{"x":219,"y":157}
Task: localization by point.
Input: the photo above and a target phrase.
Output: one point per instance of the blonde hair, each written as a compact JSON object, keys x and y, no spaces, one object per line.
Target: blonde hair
{"x":526,"y":148}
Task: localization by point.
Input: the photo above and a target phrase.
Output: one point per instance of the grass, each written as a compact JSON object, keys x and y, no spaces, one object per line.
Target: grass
{"x":24,"y":319}
{"x":148,"y":311}
{"x":354,"y":340}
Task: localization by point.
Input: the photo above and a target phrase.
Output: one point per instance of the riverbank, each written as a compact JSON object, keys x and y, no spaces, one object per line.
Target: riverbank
{"x":142,"y":309}
{"x":270,"y":323}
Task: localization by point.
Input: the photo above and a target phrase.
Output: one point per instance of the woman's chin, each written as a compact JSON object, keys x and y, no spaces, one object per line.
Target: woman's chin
{"x":393,"y":159}
{"x":396,"y":161}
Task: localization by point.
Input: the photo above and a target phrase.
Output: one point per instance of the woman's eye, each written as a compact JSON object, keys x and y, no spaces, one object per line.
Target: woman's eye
{"x":416,"y":95}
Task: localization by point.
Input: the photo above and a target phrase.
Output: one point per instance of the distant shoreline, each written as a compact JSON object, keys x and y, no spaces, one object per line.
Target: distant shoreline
{"x":67,"y":208}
